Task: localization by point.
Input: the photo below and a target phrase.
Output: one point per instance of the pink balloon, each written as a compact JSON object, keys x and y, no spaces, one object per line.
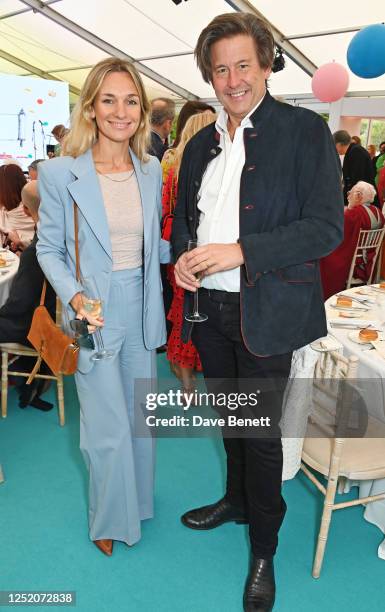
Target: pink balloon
{"x":330,"y":82}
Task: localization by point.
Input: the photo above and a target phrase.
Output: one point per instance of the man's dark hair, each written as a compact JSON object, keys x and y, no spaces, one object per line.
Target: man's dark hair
{"x":227,"y":26}
{"x":160,"y":113}
{"x":342,"y":137}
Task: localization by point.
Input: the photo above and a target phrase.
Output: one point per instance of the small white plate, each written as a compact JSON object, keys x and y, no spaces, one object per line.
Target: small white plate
{"x":328,"y":343}
{"x":354,"y":337}
{"x":364,"y":291}
{"x":376,"y":289}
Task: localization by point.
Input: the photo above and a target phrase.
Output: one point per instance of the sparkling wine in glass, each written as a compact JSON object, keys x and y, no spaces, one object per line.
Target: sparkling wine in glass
{"x":94,"y":308}
{"x":195,"y":316}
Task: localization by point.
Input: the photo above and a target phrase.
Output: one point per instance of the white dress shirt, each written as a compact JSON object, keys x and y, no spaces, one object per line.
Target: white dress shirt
{"x":219,"y":198}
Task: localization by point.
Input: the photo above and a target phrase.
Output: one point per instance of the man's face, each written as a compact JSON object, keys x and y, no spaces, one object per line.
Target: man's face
{"x":382,"y":148}
{"x":237,"y":77}
{"x":165,"y":127}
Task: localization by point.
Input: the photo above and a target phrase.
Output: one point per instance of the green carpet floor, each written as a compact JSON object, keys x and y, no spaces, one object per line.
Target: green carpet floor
{"x":45,"y":546}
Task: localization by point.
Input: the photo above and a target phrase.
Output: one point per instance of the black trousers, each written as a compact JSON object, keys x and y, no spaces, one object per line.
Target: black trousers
{"x":254,"y":463}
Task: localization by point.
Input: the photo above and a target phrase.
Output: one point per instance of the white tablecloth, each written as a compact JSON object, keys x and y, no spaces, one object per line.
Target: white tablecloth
{"x":7,"y":274}
{"x":297,"y":403}
{"x":371,"y":366}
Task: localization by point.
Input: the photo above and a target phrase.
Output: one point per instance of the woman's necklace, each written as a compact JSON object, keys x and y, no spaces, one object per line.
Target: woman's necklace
{"x":122,"y":180}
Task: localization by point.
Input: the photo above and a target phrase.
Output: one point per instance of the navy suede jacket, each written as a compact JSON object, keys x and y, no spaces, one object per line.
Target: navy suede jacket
{"x":290,"y":215}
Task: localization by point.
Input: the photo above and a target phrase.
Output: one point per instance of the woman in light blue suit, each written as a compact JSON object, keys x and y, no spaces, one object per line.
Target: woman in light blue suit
{"x":117,"y":189}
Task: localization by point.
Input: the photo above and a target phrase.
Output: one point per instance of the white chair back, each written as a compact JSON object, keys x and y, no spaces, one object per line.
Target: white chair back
{"x":367,"y":240}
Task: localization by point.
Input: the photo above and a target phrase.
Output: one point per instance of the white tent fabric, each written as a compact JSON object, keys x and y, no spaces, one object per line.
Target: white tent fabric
{"x":154,"y":32}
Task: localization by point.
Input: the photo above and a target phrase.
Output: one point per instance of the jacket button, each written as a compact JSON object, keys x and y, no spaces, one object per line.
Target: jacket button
{"x":253,"y":135}
{"x":249,"y":168}
{"x":213,"y":151}
{"x":249,"y":207}
{"x":196,"y":183}
{"x":190,"y":218}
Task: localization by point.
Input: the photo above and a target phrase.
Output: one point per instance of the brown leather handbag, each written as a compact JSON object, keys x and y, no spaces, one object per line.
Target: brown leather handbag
{"x":59,"y":351}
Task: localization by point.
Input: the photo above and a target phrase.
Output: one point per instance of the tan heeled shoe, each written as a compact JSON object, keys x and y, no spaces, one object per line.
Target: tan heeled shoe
{"x":105,"y":546}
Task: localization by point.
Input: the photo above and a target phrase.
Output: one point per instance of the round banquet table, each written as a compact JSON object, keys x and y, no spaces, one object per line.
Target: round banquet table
{"x":371,"y":375}
{"x":297,"y":405}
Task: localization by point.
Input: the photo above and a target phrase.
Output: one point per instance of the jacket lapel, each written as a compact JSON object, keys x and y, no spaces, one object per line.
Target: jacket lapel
{"x":87,"y":194}
{"x":147,"y":196}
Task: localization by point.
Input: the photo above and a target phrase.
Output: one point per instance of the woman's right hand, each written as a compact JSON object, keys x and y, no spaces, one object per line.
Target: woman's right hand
{"x":77,"y":304}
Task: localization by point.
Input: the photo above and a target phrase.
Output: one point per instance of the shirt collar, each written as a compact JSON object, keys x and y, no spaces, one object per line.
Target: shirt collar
{"x":221,"y":122}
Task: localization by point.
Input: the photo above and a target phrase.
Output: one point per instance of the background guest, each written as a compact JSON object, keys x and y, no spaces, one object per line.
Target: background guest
{"x":360,"y":214}
{"x":191,"y":107}
{"x":59,"y":132}
{"x":162,"y":117}
{"x":183,"y":357}
{"x":15,"y":225}
{"x":357,"y":165}
{"x":16,"y":314}
{"x":32,"y":169}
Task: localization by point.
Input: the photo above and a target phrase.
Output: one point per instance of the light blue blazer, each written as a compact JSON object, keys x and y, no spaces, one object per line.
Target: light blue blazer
{"x":65,"y":179}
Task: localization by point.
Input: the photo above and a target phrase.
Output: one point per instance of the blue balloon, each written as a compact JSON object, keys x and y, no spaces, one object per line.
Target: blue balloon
{"x":366,"y":52}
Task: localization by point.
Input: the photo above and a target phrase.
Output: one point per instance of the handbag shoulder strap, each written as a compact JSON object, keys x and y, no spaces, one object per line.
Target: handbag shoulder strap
{"x":77,"y":259}
{"x":76,"y":225}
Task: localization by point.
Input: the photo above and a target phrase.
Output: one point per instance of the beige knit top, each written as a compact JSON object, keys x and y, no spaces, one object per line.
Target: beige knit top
{"x":123,"y":207}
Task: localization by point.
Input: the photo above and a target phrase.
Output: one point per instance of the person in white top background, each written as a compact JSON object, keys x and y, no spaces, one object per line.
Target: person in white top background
{"x":262,"y":226}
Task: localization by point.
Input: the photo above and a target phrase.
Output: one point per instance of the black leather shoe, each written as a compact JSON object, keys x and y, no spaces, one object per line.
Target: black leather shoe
{"x":209,"y":517}
{"x":259,"y":594}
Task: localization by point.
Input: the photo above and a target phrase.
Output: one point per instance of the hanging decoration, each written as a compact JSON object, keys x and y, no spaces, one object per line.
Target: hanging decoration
{"x":366,"y":52}
{"x":330,"y":82}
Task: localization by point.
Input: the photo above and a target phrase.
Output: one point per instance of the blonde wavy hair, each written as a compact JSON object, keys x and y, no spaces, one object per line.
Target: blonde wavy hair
{"x":84,"y":132}
{"x":193,"y":125}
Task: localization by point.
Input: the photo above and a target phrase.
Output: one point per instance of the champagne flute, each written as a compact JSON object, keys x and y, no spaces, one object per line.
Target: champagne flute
{"x":94,"y":307}
{"x":195,"y":316}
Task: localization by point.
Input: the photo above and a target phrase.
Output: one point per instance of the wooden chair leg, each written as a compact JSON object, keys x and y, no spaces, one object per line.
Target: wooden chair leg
{"x":325,"y":525}
{"x":4,"y":383}
{"x":60,"y":397}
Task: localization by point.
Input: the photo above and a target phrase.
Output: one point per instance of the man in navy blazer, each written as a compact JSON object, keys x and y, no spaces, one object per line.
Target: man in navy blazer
{"x":260,"y":189}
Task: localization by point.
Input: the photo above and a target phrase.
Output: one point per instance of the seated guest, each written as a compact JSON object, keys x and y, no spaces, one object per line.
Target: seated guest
{"x":16,"y":226}
{"x":360,"y":214}
{"x":32,"y":169}
{"x":16,"y":314}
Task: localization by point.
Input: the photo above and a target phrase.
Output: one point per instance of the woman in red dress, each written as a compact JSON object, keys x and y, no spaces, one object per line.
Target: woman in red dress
{"x":183,"y":357}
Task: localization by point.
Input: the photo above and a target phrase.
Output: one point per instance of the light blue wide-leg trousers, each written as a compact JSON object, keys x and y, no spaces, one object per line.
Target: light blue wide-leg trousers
{"x":121,"y":466}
